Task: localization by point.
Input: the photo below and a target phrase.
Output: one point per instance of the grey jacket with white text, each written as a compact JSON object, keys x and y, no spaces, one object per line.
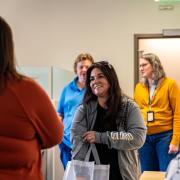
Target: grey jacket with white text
{"x":127,"y":140}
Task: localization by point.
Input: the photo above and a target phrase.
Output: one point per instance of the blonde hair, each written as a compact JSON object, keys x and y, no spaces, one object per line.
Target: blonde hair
{"x":158,"y":70}
{"x":82,"y":57}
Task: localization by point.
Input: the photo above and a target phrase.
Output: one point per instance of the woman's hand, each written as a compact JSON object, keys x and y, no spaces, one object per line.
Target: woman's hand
{"x":89,"y":136}
{"x":173,"y":149}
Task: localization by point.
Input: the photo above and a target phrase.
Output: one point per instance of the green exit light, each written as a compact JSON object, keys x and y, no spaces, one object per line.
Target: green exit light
{"x":167,"y":1}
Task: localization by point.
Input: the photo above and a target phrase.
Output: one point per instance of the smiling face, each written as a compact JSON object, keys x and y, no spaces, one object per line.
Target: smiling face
{"x":81,"y":70}
{"x":145,"y":69}
{"x":99,"y":84}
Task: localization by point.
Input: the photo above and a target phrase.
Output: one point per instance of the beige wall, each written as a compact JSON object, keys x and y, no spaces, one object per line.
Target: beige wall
{"x":53,"y":32}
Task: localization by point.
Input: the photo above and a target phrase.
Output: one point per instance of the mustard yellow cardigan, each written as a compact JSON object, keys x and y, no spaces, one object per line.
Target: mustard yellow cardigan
{"x":166,"y":107}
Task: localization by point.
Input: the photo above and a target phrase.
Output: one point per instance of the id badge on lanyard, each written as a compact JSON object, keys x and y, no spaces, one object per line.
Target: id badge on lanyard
{"x":150,"y":116}
{"x":150,"y":113}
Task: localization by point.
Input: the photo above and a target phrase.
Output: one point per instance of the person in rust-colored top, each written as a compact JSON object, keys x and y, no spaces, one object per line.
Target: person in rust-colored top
{"x":28,"y":120}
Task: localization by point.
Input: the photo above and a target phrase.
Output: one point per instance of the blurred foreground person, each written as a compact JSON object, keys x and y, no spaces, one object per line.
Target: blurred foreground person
{"x":28,"y":120}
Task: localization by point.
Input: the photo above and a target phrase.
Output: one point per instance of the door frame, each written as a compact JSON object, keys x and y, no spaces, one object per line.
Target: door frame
{"x":138,"y":37}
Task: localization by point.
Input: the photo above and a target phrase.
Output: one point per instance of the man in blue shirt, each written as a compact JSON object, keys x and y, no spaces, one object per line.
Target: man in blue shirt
{"x":70,"y":98}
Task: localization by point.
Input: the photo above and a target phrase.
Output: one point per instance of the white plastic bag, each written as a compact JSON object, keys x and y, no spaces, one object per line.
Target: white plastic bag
{"x":173,"y":170}
{"x":84,"y":170}
{"x":79,"y":170}
{"x":101,"y":172}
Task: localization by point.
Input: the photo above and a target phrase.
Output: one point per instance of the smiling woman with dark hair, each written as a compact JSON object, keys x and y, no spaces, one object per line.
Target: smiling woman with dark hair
{"x":112,"y":121}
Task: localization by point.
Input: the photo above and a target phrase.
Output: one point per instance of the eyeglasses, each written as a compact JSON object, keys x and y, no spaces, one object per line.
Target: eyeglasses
{"x":143,"y":65}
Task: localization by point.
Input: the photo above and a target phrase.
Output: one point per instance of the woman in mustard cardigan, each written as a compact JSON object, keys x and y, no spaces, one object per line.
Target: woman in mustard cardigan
{"x":159,"y":100}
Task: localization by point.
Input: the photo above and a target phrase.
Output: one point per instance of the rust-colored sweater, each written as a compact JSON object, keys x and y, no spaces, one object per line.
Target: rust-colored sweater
{"x":28,"y":123}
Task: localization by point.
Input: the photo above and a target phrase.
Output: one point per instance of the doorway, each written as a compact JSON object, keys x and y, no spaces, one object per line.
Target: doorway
{"x":167,"y":48}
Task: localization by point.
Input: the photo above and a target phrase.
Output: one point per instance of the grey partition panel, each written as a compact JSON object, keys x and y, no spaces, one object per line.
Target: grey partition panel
{"x":40,"y":74}
{"x":52,"y":80}
{"x":61,"y":77}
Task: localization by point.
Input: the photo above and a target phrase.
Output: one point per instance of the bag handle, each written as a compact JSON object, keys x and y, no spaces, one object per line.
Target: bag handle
{"x":93,"y":149}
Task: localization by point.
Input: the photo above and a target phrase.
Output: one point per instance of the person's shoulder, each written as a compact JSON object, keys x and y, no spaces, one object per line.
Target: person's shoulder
{"x":25,"y":81}
{"x":29,"y":80}
{"x":91,"y":106}
{"x":139,"y":85}
{"x":170,"y":80}
{"x":81,"y":108}
{"x":26,"y":87}
{"x":71,"y":84}
{"x":126,"y":99}
{"x":30,"y":83}
{"x":129,"y":102}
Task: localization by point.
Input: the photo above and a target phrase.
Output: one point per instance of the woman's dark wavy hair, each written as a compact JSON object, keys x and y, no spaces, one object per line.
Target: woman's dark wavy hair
{"x":115,"y":93}
{"x":7,"y":57}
